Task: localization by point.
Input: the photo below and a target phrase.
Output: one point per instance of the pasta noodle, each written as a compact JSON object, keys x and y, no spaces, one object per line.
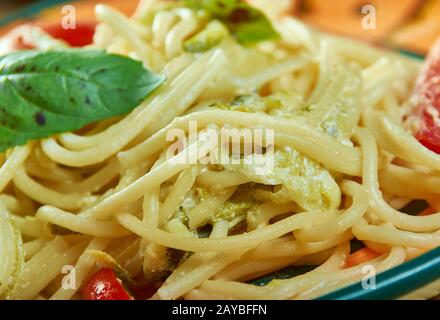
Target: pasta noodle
{"x":113,"y":193}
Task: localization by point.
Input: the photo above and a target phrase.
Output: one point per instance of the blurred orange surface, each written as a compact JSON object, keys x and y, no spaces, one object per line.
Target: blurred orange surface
{"x":411,"y":25}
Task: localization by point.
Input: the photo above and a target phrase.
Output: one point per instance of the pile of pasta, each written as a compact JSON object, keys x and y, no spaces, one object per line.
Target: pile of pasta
{"x":344,"y":165}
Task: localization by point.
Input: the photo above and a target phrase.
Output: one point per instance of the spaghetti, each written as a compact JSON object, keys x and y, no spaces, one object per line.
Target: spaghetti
{"x":342,"y":161}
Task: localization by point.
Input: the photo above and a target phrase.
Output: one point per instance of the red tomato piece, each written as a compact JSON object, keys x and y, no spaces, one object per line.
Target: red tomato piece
{"x":428,"y":211}
{"x":360,"y":256}
{"x":104,"y":285}
{"x":144,"y":293}
{"x":81,"y":36}
{"x":427,"y":101}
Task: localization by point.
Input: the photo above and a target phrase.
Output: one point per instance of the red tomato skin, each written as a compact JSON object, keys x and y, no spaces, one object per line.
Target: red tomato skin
{"x":144,"y":293}
{"x":427,"y":101}
{"x":358,"y":257}
{"x":426,"y":138}
{"x":81,"y":36}
{"x":104,"y":285}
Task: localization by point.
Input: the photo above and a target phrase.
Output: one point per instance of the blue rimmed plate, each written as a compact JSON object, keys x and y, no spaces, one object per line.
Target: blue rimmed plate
{"x":392,"y":284}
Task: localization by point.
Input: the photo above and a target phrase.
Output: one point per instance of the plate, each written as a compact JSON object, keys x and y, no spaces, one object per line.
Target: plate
{"x":391,"y":284}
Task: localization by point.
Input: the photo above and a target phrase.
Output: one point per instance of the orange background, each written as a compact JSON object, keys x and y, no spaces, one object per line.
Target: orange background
{"x":411,"y":25}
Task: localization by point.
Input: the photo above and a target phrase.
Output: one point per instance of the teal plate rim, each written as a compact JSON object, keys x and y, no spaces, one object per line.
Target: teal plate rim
{"x":396,"y":282}
{"x":391,"y":284}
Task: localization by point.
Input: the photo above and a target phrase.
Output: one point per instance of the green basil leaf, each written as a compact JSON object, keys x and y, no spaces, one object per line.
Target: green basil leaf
{"x":247,"y":24}
{"x":44,"y":93}
{"x":218,"y":8}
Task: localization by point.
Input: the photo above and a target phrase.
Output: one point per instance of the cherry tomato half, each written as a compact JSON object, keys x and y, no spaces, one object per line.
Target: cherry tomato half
{"x":104,"y":285}
{"x":81,"y":36}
